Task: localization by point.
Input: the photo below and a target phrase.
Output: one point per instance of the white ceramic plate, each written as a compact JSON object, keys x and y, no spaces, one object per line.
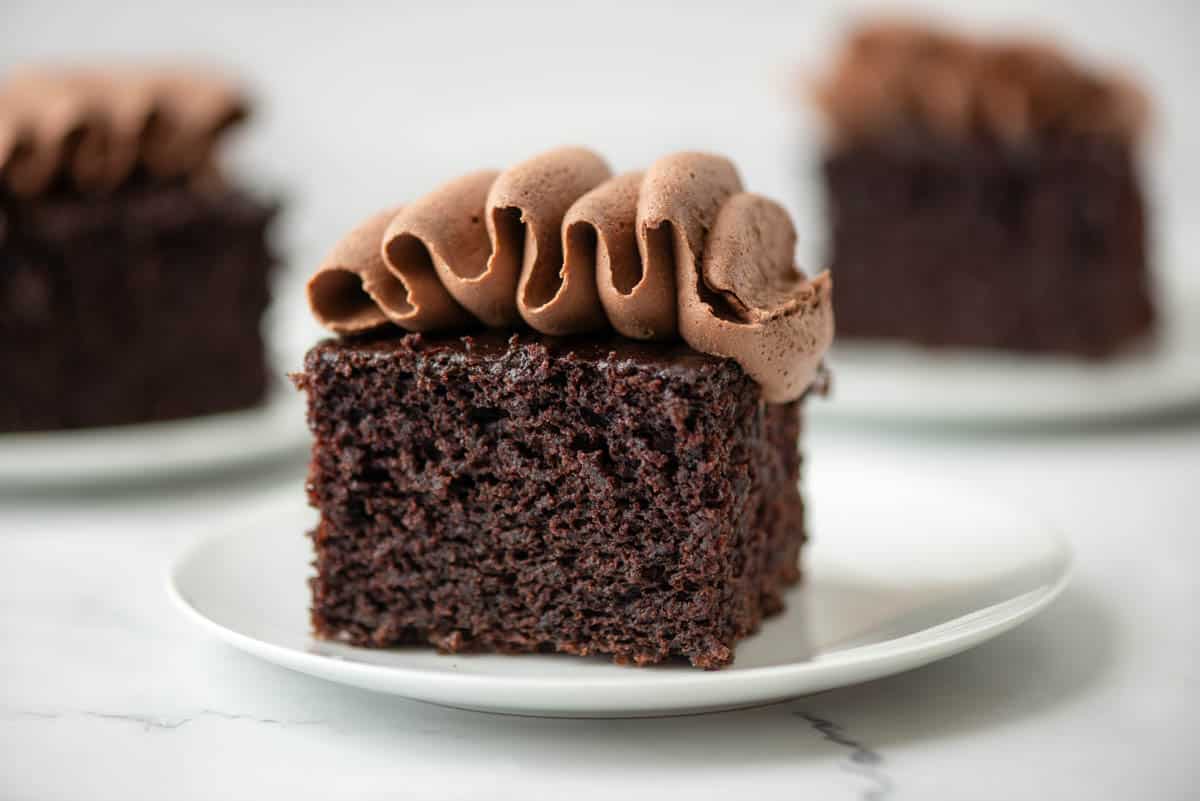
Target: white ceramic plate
{"x":156,"y":450}
{"x":896,"y":383}
{"x":900,"y":574}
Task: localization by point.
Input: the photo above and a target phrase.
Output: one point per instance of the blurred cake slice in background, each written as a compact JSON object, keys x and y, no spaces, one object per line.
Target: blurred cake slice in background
{"x":983,"y":193}
{"x":133,"y":274}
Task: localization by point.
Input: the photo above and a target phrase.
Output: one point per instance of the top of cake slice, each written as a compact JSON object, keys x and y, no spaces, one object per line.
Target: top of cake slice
{"x":95,"y":127}
{"x":561,"y":244}
{"x":895,"y":76}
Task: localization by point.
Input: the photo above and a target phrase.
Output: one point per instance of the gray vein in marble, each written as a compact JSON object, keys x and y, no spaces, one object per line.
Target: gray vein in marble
{"x":862,"y":760}
{"x":152,"y":722}
{"x":22,"y":714}
{"x":147,"y":722}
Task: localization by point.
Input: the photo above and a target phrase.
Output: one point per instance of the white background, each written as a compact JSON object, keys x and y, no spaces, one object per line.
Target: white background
{"x":363,"y":105}
{"x":105,"y":692}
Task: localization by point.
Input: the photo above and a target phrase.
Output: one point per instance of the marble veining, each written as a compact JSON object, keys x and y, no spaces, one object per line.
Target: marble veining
{"x":862,"y":759}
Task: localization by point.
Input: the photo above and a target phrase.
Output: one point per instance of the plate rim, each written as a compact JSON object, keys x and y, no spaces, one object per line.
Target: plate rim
{"x":63,"y":446}
{"x":1179,"y":329}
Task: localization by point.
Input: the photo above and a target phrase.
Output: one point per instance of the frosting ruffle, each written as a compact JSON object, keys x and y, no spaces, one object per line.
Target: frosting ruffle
{"x":679,"y":251}
{"x":96,"y":125}
{"x":895,"y":73}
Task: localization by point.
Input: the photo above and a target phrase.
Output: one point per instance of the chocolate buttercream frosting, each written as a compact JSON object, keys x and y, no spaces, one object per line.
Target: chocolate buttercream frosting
{"x":562,"y":245}
{"x":897,"y":74}
{"x":95,"y":126}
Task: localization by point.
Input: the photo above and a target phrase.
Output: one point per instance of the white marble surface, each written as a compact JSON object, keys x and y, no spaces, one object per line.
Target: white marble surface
{"x":107,"y":692}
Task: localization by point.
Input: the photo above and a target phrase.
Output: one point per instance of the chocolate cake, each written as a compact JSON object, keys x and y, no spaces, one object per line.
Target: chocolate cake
{"x":983,"y":194}
{"x":603,"y":496}
{"x":133,"y":277}
{"x":562,"y":415}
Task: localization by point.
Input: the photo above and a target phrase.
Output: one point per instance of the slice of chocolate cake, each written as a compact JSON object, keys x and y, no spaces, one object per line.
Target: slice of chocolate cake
{"x":622,"y":479}
{"x":983,"y":194}
{"x":133,"y":277}
{"x":525,"y":494}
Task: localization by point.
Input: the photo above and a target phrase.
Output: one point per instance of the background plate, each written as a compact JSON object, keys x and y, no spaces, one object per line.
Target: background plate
{"x":159,"y":450}
{"x":897,"y":383}
{"x":141,"y":452}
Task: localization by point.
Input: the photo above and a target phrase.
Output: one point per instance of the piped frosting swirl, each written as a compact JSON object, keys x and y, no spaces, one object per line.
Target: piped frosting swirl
{"x":895,"y":73}
{"x":561,"y":244}
{"x":96,"y":126}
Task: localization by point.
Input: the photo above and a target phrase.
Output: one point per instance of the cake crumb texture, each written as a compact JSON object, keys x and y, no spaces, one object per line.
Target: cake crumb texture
{"x":538,"y":495}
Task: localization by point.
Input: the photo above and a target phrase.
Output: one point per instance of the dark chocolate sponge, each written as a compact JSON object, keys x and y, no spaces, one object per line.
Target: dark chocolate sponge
{"x":1037,"y":248}
{"x":528,"y":494}
{"x":142,"y":304}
